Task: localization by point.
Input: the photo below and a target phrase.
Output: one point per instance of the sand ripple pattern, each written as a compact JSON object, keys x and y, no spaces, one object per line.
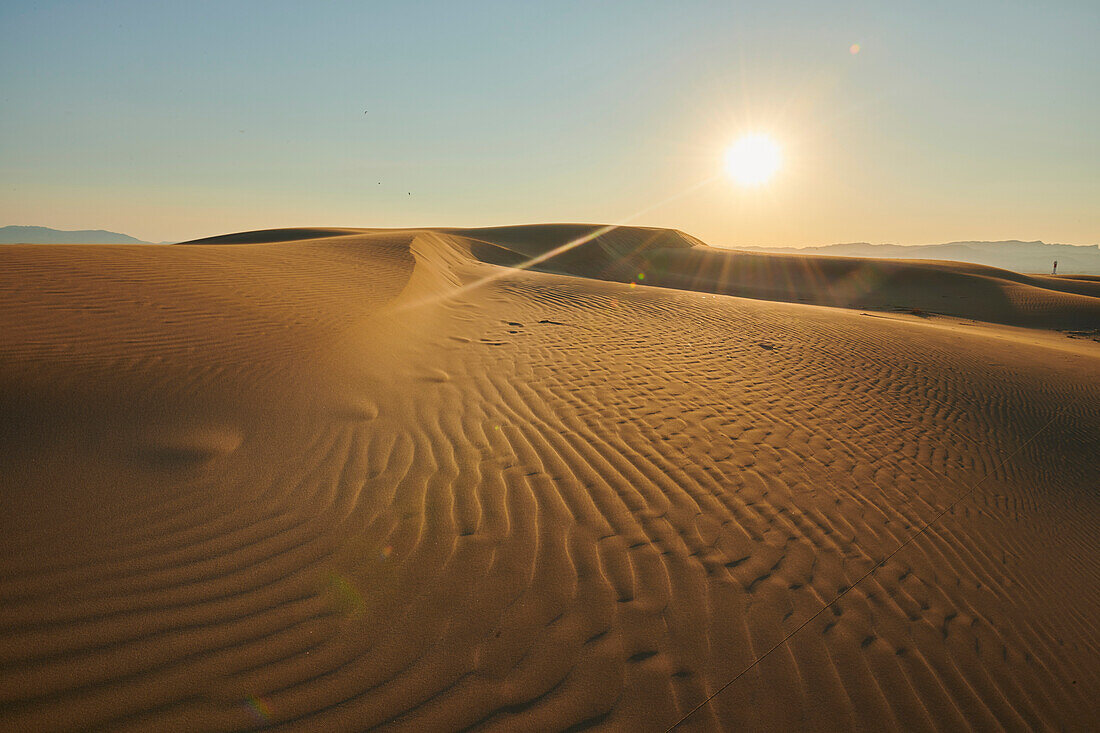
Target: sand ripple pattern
{"x":548,"y":504}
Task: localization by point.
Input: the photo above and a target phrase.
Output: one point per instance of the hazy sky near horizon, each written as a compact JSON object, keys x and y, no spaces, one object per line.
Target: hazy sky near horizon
{"x":169,"y":121}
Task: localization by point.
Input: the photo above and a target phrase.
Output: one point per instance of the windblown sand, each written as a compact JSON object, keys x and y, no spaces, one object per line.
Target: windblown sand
{"x":344,"y":479}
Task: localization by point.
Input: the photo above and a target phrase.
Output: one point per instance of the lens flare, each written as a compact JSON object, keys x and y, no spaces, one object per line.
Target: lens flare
{"x":259,"y":708}
{"x":345,"y":596}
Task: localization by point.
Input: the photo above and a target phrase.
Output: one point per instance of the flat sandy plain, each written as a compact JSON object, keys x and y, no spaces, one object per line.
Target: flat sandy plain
{"x":336,"y":479}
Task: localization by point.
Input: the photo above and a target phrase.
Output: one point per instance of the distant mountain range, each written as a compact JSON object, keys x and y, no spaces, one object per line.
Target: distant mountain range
{"x":45,"y":235}
{"x":1028,"y":257}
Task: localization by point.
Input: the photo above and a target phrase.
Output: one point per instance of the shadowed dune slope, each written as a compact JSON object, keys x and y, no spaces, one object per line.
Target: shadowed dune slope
{"x":372,"y":479}
{"x":672,"y":259}
{"x":270,"y":236}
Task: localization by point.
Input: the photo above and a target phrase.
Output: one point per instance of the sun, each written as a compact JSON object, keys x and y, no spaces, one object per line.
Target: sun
{"x":753,"y":160}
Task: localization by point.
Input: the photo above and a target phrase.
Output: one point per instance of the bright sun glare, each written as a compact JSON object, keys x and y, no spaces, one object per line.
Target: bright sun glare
{"x":753,"y":160}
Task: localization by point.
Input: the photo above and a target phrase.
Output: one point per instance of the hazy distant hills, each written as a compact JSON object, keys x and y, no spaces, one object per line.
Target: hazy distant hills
{"x":45,"y":235}
{"x":1030,"y":257}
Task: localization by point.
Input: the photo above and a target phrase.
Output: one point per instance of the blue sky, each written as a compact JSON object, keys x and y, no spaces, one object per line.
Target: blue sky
{"x":175,"y":120}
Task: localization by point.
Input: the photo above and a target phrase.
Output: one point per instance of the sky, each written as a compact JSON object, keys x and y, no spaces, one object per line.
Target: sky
{"x":907,"y":122}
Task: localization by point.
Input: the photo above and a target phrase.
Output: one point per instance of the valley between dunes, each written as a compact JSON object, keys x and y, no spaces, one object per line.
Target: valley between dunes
{"x":344,"y":479}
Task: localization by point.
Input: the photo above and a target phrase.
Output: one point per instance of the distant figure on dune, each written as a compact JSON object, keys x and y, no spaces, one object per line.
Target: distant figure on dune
{"x":1054,"y":271}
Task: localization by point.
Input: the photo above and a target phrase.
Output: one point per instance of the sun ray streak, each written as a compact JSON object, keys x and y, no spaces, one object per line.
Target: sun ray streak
{"x":549,"y":254}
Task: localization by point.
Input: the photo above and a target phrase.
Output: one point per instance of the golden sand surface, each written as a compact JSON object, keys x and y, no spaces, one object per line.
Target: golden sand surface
{"x":344,"y":479}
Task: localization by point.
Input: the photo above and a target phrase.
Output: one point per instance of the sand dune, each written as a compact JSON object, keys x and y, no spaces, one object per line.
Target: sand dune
{"x":338,"y":479}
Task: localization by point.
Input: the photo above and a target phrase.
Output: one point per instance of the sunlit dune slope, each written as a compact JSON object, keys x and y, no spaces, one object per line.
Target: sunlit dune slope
{"x":340,"y":479}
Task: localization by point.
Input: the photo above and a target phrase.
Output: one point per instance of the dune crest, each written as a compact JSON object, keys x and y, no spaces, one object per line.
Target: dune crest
{"x":342,"y":479}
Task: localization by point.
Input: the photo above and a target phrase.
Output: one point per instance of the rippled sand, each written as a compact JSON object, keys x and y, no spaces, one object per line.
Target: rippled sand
{"x":340,"y":479}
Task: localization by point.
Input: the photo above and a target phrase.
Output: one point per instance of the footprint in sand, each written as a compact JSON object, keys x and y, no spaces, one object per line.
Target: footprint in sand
{"x":184,"y":448}
{"x":435,"y":375}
